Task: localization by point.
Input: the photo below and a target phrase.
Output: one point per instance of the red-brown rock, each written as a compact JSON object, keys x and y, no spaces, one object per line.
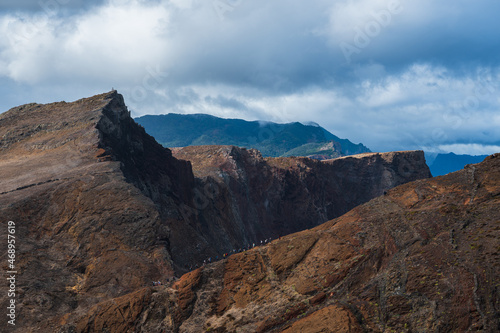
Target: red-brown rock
{"x":102,"y":210}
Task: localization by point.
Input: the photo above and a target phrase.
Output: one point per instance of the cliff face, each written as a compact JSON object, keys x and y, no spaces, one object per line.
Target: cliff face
{"x":423,"y":258}
{"x":89,"y":193}
{"x":266,"y":198}
{"x":101,"y":209}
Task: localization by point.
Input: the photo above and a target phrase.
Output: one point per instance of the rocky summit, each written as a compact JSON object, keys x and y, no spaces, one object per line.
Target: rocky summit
{"x":102,"y":210}
{"x":422,"y":258}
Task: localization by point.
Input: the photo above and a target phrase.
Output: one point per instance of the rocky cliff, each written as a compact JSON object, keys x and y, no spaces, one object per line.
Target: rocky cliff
{"x":101,"y":209}
{"x":264,"y":198}
{"x":422,"y":258}
{"x":90,"y":193}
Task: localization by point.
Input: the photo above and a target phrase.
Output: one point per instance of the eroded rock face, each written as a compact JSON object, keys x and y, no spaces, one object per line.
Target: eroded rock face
{"x":423,"y":258}
{"x":89,"y":224}
{"x":268,"y":197}
{"x":101,"y":210}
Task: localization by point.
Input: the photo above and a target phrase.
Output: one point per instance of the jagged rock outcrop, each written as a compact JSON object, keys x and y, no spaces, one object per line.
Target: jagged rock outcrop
{"x":101,"y":210}
{"x":89,"y":192}
{"x":268,"y":197}
{"x":423,"y":258}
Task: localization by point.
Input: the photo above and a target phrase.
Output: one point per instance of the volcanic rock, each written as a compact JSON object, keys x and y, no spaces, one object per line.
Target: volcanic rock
{"x":102,"y":210}
{"x":423,"y":258}
{"x":253,"y":198}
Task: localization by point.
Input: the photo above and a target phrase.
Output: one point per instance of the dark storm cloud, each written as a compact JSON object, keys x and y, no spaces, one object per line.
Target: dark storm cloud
{"x":283,"y":46}
{"x":46,"y":5}
{"x":462,"y":34}
{"x":393,"y":74}
{"x":225,"y":102}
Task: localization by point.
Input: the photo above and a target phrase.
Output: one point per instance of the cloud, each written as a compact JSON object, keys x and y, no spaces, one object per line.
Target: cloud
{"x":420,"y":108}
{"x":278,"y":46}
{"x":420,"y":74}
{"x":111,"y":42}
{"x":48,"y":6}
{"x":470,"y":149}
{"x":396,"y":32}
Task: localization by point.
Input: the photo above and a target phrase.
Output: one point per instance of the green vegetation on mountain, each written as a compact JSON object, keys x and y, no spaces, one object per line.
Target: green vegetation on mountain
{"x":319,"y":150}
{"x":271,"y":139}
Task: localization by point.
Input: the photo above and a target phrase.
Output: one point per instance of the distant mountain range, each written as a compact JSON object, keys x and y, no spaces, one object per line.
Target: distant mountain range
{"x":446,"y":163}
{"x":271,"y":139}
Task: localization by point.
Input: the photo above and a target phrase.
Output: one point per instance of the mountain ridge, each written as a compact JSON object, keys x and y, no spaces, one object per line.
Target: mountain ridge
{"x":272,"y":139}
{"x":423,"y":257}
{"x":446,"y":163}
{"x":101,"y":209}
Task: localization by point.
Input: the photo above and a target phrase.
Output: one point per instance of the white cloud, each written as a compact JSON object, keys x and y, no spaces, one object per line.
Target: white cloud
{"x":347,"y":17}
{"x":429,"y":77}
{"x":424,"y":106}
{"x":112,"y":41}
{"x":470,"y":149}
{"x":183,"y":4}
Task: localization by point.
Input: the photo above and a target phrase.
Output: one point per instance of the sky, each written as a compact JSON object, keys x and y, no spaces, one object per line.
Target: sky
{"x":391,"y":74}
